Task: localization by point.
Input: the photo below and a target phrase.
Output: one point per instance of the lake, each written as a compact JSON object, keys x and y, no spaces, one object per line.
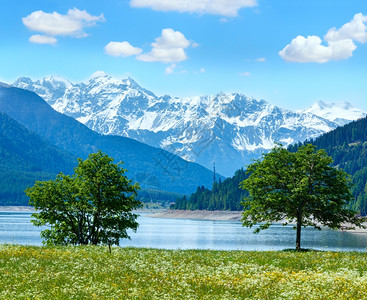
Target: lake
{"x":16,"y":228}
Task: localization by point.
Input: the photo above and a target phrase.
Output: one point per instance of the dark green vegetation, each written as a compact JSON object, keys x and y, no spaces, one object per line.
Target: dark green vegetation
{"x":86,"y":272}
{"x":224,"y":195}
{"x":297,"y":187}
{"x":91,"y":207}
{"x":347,"y":146}
{"x":25,"y":157}
{"x":66,"y":139}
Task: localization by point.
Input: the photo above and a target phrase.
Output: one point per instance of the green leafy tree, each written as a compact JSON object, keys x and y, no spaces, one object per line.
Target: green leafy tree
{"x":301,"y":188}
{"x":94,"y":206}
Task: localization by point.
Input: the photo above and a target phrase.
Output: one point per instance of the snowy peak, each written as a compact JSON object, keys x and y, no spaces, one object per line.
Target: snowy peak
{"x":57,"y":82}
{"x":98,"y":74}
{"x":229,"y":129}
{"x":341,"y":113}
{"x":49,"y":88}
{"x":106,"y":81}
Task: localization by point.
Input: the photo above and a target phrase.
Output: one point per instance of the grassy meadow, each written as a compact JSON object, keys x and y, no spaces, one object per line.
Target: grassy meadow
{"x":90,"y":272}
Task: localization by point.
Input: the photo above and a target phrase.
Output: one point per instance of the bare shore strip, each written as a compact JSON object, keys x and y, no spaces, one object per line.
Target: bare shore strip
{"x":218,"y":215}
{"x":215,"y":215}
{"x":16,"y":208}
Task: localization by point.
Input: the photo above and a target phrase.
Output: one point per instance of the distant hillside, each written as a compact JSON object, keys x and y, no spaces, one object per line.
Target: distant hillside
{"x":152,"y":167}
{"x":25,"y":158}
{"x":347,"y":145}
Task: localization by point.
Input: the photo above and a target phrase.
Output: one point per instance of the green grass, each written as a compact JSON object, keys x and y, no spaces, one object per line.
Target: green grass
{"x":88,"y":272}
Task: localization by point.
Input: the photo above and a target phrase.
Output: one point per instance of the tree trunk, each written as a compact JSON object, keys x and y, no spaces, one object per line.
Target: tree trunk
{"x":298,"y":238}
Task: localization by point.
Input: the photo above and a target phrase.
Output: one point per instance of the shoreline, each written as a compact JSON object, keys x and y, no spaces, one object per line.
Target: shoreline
{"x":215,"y":215}
{"x":16,"y":208}
{"x":219,"y":215}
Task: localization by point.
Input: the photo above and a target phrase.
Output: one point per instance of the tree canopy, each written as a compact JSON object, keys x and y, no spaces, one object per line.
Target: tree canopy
{"x":93,"y":206}
{"x":301,"y":188}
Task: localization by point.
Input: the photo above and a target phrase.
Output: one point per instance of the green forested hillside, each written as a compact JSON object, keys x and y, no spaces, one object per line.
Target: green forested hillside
{"x":347,"y":145}
{"x":224,"y":195}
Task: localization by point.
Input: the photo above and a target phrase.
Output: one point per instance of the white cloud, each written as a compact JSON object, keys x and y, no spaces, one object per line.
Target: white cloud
{"x":339,"y":43}
{"x":168,"y":48}
{"x":164,"y":55}
{"x":310,"y":49}
{"x":55,"y":24}
{"x":170,"y":69}
{"x":227,"y":8}
{"x":247,"y":74}
{"x":354,"y":30}
{"x":42,"y":39}
{"x":261,"y":59}
{"x":121,"y":49}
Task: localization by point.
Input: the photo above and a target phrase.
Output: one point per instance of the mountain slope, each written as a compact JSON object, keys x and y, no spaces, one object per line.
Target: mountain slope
{"x":25,"y":158}
{"x":226,"y":129}
{"x":24,"y":150}
{"x":152,"y":167}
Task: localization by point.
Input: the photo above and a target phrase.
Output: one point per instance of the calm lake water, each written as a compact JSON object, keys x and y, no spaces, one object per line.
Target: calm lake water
{"x":16,"y":228}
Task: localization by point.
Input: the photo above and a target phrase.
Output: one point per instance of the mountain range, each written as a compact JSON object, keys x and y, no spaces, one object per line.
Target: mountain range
{"x":34,"y":135}
{"x":347,"y":145}
{"x":226,"y":129}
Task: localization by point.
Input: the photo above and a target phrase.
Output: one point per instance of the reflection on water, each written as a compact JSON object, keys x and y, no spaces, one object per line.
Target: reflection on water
{"x":15,"y":227}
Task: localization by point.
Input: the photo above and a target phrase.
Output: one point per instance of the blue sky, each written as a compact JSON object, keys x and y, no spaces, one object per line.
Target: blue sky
{"x":291,"y":53}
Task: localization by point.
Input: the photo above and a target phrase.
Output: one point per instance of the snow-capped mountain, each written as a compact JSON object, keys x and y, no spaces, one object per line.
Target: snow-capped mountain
{"x":226,"y":129}
{"x":49,"y":88}
{"x":341,"y":113}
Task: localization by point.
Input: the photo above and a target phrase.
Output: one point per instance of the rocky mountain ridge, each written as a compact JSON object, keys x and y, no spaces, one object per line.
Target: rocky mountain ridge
{"x":226,"y":129}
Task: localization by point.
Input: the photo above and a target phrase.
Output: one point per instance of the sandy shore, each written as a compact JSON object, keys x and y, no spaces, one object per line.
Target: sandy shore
{"x":199,"y":215}
{"x":218,"y":216}
{"x":357,"y":230}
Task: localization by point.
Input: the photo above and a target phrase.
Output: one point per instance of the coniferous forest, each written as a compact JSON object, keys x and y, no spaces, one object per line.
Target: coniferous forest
{"x":224,"y":195}
{"x":347,"y":145}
